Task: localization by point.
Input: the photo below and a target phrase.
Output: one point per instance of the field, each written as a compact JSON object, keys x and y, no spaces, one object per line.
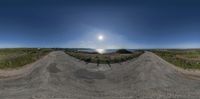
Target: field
{"x":18,"y":57}
{"x":187,"y":59}
{"x":104,"y":58}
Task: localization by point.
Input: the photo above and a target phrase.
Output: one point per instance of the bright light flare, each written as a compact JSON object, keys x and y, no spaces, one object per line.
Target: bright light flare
{"x":100,"y":38}
{"x":101,"y":51}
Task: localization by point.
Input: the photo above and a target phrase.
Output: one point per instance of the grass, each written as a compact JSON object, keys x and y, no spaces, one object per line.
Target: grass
{"x":18,"y":57}
{"x":103,"y":58}
{"x":187,"y":59}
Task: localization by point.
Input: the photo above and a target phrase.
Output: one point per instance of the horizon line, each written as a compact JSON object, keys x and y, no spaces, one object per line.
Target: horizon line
{"x":90,"y":48}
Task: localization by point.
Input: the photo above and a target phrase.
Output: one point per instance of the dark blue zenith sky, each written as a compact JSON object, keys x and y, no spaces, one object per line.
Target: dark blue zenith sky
{"x":78,"y":23}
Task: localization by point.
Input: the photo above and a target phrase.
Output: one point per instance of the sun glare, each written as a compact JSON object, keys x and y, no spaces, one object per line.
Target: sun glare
{"x":101,"y":51}
{"x":100,"y":37}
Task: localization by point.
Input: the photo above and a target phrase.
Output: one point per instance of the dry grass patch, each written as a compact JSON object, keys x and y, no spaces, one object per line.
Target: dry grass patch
{"x":103,"y":58}
{"x":18,"y":57}
{"x":187,"y":59}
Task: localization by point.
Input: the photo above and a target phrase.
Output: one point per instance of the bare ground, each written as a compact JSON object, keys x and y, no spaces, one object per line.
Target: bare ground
{"x":59,"y":76}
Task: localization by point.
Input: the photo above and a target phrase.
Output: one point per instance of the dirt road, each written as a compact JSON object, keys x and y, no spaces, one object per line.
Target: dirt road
{"x":59,"y":76}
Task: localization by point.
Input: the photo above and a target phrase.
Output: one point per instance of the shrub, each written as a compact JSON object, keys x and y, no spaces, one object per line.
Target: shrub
{"x":123,"y":51}
{"x":103,"y":58}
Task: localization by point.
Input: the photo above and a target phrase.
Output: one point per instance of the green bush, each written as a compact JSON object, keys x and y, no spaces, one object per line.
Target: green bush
{"x":123,"y":51}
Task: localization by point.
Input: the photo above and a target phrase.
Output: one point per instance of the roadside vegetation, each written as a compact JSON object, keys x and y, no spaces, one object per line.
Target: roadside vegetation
{"x":108,"y":58}
{"x":123,"y":51}
{"x":187,"y":59}
{"x":18,"y":57}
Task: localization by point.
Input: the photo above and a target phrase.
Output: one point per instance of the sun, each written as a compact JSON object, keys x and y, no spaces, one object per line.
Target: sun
{"x":100,"y":37}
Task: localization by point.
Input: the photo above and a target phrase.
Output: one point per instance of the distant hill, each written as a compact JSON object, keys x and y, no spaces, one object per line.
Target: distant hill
{"x":123,"y":51}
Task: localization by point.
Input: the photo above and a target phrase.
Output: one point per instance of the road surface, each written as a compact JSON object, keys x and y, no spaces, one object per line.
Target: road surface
{"x":60,"y":76}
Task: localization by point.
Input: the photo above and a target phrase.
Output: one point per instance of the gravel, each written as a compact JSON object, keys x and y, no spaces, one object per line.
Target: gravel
{"x":60,"y":76}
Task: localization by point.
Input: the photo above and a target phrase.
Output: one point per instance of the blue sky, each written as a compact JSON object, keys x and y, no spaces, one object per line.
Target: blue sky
{"x":77,"y":23}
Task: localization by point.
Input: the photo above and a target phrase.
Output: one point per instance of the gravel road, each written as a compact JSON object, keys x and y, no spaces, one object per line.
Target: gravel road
{"x":60,"y":76}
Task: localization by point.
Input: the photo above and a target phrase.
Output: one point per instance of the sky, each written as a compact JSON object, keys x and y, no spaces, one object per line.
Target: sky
{"x":78,"y":23}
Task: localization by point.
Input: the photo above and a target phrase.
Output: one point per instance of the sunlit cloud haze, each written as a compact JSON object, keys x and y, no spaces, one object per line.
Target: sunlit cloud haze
{"x":78,"y":23}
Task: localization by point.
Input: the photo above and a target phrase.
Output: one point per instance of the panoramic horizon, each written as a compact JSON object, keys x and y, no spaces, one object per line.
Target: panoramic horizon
{"x":100,"y":24}
{"x":99,"y":49}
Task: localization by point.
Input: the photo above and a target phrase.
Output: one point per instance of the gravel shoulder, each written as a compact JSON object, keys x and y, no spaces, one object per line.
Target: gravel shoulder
{"x":59,"y":76}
